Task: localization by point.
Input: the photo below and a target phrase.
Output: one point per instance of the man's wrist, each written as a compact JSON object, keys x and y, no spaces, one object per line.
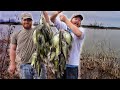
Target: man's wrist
{"x":56,"y":13}
{"x":66,"y":21}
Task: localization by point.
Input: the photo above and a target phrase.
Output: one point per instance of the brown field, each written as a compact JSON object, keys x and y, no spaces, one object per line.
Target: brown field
{"x":99,"y":65}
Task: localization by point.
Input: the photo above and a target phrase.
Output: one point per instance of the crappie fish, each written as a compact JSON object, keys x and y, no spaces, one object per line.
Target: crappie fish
{"x":52,"y":49}
{"x":68,"y":37}
{"x":42,"y":39}
{"x":61,"y":43}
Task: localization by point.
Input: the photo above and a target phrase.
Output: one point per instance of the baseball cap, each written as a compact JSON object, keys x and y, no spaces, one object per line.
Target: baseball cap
{"x":77,"y":15}
{"x":26,"y":15}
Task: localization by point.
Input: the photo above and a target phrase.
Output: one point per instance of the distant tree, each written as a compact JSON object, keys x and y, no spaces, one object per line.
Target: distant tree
{"x":12,"y":20}
{"x":1,"y":20}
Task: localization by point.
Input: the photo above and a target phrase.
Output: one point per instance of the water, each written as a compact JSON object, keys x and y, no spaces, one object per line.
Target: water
{"x":94,"y":37}
{"x":106,"y":38}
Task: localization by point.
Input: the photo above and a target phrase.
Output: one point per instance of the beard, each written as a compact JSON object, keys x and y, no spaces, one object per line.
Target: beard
{"x":27,"y":27}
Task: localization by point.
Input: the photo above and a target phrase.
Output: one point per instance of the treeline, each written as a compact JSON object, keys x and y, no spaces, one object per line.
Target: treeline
{"x":14,"y":23}
{"x":99,"y":27}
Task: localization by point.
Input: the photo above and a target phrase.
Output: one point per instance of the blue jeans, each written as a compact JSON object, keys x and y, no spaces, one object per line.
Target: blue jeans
{"x":71,"y":72}
{"x":28,"y":72}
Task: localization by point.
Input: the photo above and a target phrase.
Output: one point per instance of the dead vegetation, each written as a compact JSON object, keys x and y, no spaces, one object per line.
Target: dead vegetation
{"x":101,"y":64}
{"x":4,"y":52}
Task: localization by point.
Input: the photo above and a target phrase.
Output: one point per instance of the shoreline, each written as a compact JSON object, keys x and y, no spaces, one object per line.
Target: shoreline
{"x":85,"y":26}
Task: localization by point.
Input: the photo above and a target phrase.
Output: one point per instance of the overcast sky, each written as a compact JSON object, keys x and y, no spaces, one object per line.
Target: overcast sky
{"x":106,"y":18}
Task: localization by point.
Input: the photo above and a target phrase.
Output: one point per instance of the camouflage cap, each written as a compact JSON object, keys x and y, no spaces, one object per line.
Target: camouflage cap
{"x":26,"y":15}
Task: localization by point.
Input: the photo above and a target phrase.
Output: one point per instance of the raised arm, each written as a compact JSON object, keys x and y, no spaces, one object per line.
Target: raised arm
{"x":74,"y":28}
{"x":45,"y":13}
{"x":54,"y":15}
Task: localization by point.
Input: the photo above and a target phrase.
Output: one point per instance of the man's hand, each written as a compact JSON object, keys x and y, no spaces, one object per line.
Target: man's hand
{"x":59,"y":12}
{"x":12,"y":68}
{"x":63,"y":18}
{"x":55,"y":14}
